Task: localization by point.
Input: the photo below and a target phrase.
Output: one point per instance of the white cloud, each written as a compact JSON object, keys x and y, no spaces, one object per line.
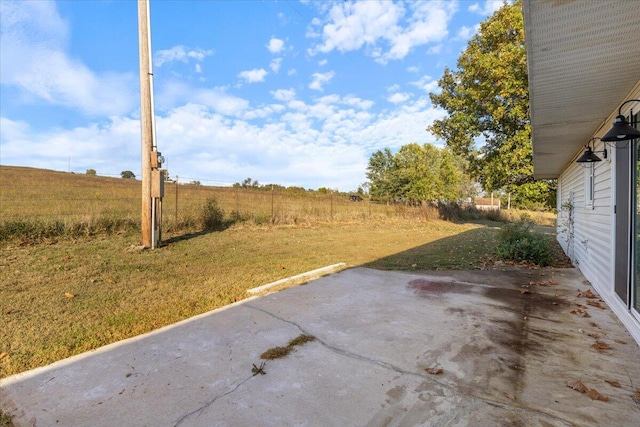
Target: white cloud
{"x":253,"y":76}
{"x":318,"y":80}
{"x":275,"y":45}
{"x":171,"y":94}
{"x":323,"y":62}
{"x":382,"y":27}
{"x":33,"y":42}
{"x":212,"y":135}
{"x":488,"y":8}
{"x":180,"y":53}
{"x":426,"y":84}
{"x":284,"y":94}
{"x":198,"y":68}
{"x":95,"y":146}
{"x":399,"y":98}
{"x":275,"y":64}
{"x":465,"y":33}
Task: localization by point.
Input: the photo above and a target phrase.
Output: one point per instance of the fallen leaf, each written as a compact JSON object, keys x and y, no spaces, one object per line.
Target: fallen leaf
{"x":69,"y":295}
{"x":594,"y":395}
{"x":3,"y":355}
{"x":594,"y":324}
{"x":613,"y":383}
{"x":524,"y":291}
{"x":585,"y":314}
{"x":594,"y":335}
{"x":574,"y":311}
{"x":434,"y":371}
{"x":636,"y":396}
{"x":595,"y":304}
{"x":511,"y":396}
{"x":590,"y":294}
{"x":620,"y":341}
{"x":577,"y":386}
{"x":600,"y":345}
{"x":559,"y":294}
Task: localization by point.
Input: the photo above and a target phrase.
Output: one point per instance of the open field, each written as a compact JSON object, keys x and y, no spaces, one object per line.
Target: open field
{"x":44,"y":204}
{"x":44,"y":195}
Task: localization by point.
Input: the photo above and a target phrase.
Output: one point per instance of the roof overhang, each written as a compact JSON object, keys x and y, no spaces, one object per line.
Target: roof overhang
{"x":584,"y":59}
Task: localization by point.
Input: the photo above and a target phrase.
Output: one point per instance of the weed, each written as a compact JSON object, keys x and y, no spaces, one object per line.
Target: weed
{"x":280,"y":352}
{"x":5,"y":420}
{"x":517,"y":242}
{"x":259,"y":369}
{"x":212,"y":215}
{"x":301,"y":340}
{"x":276,"y":353}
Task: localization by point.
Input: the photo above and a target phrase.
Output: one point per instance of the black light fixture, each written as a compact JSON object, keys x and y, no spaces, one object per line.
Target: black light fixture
{"x":589,"y":156}
{"x":621,"y":130}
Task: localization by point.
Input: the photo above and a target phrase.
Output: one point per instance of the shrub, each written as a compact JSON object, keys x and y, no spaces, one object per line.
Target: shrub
{"x":212,"y":215}
{"x":517,"y":242}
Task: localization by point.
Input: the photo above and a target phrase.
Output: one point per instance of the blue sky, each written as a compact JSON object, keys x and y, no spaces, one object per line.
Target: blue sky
{"x":288,"y":92}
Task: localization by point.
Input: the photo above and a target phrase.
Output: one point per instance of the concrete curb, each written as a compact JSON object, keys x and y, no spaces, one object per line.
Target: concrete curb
{"x":308,"y":275}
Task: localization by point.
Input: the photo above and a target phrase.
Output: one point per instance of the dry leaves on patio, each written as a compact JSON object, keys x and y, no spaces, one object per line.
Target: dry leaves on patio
{"x":596,"y":304}
{"x":434,"y":371}
{"x":601,"y":346}
{"x":581,"y":312}
{"x":577,"y":385}
{"x":613,"y":383}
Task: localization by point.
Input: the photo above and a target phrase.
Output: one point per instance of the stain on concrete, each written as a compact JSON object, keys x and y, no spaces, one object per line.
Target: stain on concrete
{"x":426,"y":288}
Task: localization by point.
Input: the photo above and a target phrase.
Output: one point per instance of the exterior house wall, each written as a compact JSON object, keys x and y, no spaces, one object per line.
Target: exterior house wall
{"x":587,"y":233}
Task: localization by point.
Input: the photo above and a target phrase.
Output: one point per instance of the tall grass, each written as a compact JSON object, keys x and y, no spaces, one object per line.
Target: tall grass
{"x":37,"y":205}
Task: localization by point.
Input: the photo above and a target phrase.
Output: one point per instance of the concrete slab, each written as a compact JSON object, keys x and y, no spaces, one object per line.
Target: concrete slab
{"x":507,"y":343}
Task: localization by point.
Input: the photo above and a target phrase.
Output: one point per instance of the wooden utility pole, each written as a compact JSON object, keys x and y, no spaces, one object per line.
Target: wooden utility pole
{"x":146,"y":119}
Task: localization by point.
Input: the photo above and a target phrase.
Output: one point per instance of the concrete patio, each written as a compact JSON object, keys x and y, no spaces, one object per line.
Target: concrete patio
{"x":506,"y":342}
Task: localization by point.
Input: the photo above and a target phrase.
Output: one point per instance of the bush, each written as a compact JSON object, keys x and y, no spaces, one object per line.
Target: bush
{"x":212,"y":215}
{"x":517,"y":242}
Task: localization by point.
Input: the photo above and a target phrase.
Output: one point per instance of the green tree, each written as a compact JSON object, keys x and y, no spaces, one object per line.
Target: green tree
{"x":487,"y":98}
{"x":416,"y":173}
{"x":91,"y":172}
{"x":382,"y":175}
{"x":127,"y":175}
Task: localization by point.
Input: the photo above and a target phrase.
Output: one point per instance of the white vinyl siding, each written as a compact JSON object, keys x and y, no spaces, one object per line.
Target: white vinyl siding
{"x":586,"y":233}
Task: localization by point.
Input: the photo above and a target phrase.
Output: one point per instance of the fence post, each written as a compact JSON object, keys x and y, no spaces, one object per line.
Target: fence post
{"x":176,"y":216}
{"x":331,"y":196}
{"x":273,"y":219}
{"x":237,"y":201}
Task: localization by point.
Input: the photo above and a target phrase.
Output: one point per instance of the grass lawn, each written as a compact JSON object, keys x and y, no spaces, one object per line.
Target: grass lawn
{"x":72,"y":296}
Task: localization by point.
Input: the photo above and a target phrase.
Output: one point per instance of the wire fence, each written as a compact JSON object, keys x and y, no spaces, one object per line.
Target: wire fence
{"x":41,"y":196}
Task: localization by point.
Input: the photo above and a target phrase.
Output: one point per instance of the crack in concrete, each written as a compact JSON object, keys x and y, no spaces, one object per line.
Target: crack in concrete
{"x":210,"y":402}
{"x":399,"y":370}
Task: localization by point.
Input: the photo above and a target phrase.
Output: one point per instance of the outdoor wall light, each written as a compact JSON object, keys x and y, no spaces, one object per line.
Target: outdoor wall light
{"x":621,"y":130}
{"x":589,"y":156}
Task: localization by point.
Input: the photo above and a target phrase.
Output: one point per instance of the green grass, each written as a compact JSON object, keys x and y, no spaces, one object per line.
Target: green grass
{"x":120,"y":291}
